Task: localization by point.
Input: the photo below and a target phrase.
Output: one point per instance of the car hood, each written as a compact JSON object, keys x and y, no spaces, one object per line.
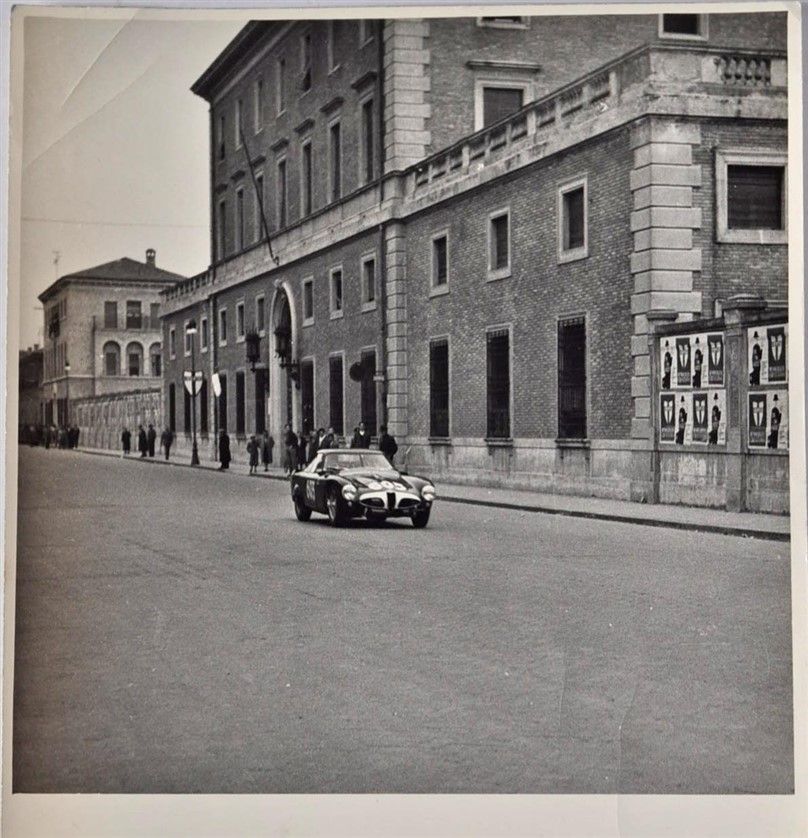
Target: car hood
{"x":364,"y":476}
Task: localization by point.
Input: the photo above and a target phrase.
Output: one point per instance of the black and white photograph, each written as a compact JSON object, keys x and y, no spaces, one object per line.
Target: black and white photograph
{"x":403,"y":409}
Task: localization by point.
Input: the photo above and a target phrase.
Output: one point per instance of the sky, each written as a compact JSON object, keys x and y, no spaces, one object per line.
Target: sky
{"x":115,"y":147}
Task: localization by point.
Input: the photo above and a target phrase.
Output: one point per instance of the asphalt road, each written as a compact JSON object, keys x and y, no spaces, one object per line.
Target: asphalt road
{"x":179,"y":631}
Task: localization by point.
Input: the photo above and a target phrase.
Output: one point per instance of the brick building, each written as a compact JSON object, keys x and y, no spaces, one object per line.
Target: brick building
{"x":103,"y":333}
{"x":476,"y":224}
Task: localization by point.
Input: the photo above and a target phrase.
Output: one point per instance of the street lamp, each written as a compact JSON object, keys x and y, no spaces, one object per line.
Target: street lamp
{"x":190,"y":330}
{"x":67,"y":393}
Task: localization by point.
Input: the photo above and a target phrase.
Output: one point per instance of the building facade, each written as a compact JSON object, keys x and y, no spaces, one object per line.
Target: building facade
{"x":475,"y":225}
{"x":103,"y":334}
{"x":30,"y":388}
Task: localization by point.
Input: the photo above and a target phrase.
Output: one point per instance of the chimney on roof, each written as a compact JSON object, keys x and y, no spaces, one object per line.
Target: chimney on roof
{"x":151,"y":253}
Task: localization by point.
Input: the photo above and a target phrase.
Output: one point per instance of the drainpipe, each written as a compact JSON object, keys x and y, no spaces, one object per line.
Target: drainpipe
{"x":382,"y":226}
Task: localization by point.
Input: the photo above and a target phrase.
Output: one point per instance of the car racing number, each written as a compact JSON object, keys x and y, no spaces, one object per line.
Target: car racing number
{"x":310,"y":491}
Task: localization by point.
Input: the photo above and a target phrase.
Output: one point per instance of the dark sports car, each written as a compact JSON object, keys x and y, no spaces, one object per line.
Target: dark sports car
{"x":359,"y":483}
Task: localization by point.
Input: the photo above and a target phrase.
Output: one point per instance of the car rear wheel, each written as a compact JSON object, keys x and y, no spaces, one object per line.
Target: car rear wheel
{"x":334,"y":507}
{"x":420,"y":518}
{"x":301,"y":510}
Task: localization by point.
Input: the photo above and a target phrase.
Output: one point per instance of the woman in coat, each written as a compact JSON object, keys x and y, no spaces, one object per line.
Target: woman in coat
{"x":224,"y":450}
{"x":289,"y":450}
{"x":267,"y":444}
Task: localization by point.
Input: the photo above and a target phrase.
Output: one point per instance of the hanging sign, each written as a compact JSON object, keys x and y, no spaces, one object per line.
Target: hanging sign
{"x":767,"y":354}
{"x":193,"y":386}
{"x":768,"y":420}
{"x":216,"y":384}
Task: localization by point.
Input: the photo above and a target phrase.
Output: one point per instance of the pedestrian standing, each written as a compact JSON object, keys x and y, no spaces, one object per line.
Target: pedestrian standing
{"x":268,"y":443}
{"x":361,"y":438}
{"x":252,"y":450}
{"x":314,"y":440}
{"x":224,"y":451}
{"x":289,"y":450}
{"x":142,"y":442}
{"x":166,"y":440}
{"x":126,"y":441}
{"x":152,"y":438}
{"x":301,"y":450}
{"x":387,"y":444}
{"x":329,"y":440}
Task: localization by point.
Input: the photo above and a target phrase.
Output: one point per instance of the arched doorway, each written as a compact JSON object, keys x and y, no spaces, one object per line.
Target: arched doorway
{"x":283,"y":394}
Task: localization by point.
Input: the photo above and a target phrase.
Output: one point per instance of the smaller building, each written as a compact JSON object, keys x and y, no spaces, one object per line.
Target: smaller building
{"x":30,"y":387}
{"x":103,"y":333}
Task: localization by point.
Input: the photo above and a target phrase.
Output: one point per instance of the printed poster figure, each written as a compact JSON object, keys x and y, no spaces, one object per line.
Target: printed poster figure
{"x":683,"y":362}
{"x":757,"y":420}
{"x":776,"y":340}
{"x":698,"y":362}
{"x":700,"y":415}
{"x":667,"y":366}
{"x":715,"y":360}
{"x":716,"y":437}
{"x":682,"y":423}
{"x":774,"y":422}
{"x":756,"y":360}
{"x":667,"y":414}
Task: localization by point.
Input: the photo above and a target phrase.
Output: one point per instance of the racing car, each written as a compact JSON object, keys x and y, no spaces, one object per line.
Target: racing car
{"x":359,"y":483}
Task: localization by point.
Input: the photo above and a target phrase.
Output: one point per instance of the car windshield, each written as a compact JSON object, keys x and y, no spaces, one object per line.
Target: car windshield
{"x":356,"y":459}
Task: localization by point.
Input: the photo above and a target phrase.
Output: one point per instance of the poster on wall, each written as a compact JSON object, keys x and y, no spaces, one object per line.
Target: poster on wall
{"x":683,"y":362}
{"x":700,"y":417}
{"x":768,"y":420}
{"x":666,"y":355}
{"x":695,"y":361}
{"x":767,"y":351}
{"x":715,"y":360}
{"x":684,"y":412}
{"x":667,"y":417}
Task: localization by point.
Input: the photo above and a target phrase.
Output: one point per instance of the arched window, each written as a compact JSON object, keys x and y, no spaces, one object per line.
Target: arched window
{"x":155,"y":360}
{"x":134,"y":359}
{"x":112,"y":358}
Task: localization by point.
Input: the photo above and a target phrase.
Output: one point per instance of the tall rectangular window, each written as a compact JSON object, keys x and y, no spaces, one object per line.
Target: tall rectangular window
{"x":172,"y":342}
{"x":305,"y":62}
{"x":308,"y":301}
{"x":239,"y":124}
{"x":203,"y":407}
{"x":335,"y":161}
{"x":186,"y":427}
{"x":240,"y":332}
{"x":331,"y":45}
{"x":367,"y":141}
{"x":221,"y":230}
{"x":258,"y":104}
{"x":336,"y":292}
{"x":134,"y":314}
{"x":220,"y":138}
{"x":281,"y":208}
{"x":280,"y":85}
{"x":368,"y":390}
{"x":223,"y":402}
{"x":239,"y":220}
{"x":499,"y":245}
{"x":110,"y":315}
{"x":439,"y":388}
{"x":307,"y":394}
{"x":498,"y":384}
{"x":440,"y":261}
{"x":335,"y":390}
{"x":222,"y":326}
{"x":203,"y":335}
{"x":369,"y":282}
{"x":572,"y":378}
{"x":154,"y":316}
{"x":260,"y":323}
{"x":572,"y":221}
{"x":259,"y":202}
{"x":261,"y":387}
{"x":305,"y":178}
{"x":172,"y":407}
{"x":240,"y":420}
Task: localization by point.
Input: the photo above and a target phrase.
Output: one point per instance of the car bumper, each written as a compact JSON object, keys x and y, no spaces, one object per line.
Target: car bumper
{"x":388,"y":503}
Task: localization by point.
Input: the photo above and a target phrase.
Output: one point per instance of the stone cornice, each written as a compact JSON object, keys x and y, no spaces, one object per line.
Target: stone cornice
{"x":332,"y":105}
{"x":279,"y":145}
{"x":504,"y":66}
{"x":364,"y":80}
{"x":305,"y":126}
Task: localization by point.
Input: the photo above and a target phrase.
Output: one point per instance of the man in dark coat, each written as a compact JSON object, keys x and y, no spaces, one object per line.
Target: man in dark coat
{"x":126,"y":441}
{"x":361,"y":438}
{"x":329,"y":440}
{"x":166,"y":439}
{"x":387,"y":444}
{"x":268,"y":443}
{"x":224,"y":450}
{"x":314,"y":443}
{"x":152,"y":437}
{"x":142,"y":442}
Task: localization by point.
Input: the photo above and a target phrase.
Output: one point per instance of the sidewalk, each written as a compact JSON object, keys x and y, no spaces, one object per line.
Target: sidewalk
{"x":746,"y":524}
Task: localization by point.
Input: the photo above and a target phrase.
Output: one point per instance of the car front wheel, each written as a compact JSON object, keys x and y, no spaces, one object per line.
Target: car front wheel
{"x":301,"y":510}
{"x":420,"y":518}
{"x":333,"y":502}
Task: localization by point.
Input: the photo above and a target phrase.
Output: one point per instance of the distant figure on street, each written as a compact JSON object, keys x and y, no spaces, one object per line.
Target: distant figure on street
{"x":63,"y":437}
{"x":74,"y":436}
{"x":152,"y":438}
{"x":252,"y":450}
{"x":387,"y":445}
{"x":142,"y":442}
{"x":126,"y":441}
{"x":314,"y":441}
{"x":361,"y":438}
{"x":329,"y":440}
{"x":224,"y":451}
{"x":301,"y":450}
{"x":166,"y":439}
{"x":267,"y":444}
{"x":289,"y":450}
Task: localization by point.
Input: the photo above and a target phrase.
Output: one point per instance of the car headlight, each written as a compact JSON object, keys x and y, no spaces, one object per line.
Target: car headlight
{"x":428,"y":492}
{"x":349,"y":492}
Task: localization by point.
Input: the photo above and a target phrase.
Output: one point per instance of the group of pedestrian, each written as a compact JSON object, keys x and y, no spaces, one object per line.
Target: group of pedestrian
{"x":147,"y":441}
{"x":51,"y":436}
{"x":260,"y":448}
{"x":300,"y":449}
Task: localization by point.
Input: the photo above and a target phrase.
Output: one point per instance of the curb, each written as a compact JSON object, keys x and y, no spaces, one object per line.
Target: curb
{"x":716,"y":529}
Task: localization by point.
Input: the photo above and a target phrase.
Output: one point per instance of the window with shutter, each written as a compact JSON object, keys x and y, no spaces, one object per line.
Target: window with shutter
{"x":572,"y":378}
{"x":755,"y":197}
{"x":439,"y":388}
{"x":335,"y":391}
{"x":500,"y":102}
{"x":498,"y":384}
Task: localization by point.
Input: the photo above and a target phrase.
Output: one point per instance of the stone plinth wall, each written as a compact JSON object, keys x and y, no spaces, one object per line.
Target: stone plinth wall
{"x":101,"y":419}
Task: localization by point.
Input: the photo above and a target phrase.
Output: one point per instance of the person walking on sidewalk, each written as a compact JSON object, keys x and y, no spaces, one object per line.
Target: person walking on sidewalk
{"x":224,"y":451}
{"x":252,"y":450}
{"x":152,"y":437}
{"x":289,"y":450}
{"x":166,"y":439}
{"x":267,"y":444}
{"x":126,"y":441}
{"x":387,"y":444}
{"x":142,"y":442}
{"x":301,"y":450}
